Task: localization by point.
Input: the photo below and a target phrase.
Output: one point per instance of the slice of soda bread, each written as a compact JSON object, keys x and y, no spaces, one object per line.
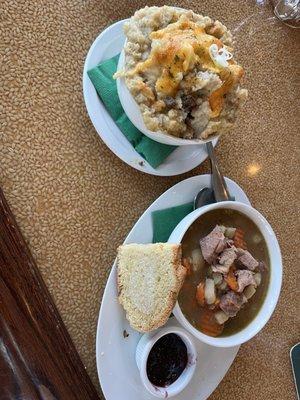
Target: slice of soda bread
{"x":149,"y":279}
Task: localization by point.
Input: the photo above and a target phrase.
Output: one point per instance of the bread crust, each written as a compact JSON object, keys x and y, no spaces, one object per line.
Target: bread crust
{"x":160,"y":318}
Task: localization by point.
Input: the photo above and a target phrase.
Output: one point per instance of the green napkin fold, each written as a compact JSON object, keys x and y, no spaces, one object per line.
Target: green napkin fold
{"x":102,"y":79}
{"x":164,"y":221}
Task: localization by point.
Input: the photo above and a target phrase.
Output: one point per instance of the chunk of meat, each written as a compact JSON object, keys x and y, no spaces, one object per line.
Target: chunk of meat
{"x":213,"y":244}
{"x":244,"y":278}
{"x":229,"y":242}
{"x":228,"y":256}
{"x":246,"y":259}
{"x":231,"y":303}
{"x":261,"y":266}
{"x":220,"y":247}
{"x":226,"y":259}
{"x":223,"y":269}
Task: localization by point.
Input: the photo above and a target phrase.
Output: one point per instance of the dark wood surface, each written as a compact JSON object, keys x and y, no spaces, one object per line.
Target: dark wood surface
{"x":37,"y":357}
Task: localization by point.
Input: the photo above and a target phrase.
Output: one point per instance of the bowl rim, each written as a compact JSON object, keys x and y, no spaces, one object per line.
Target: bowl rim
{"x":187,"y":374}
{"x":135,"y":116}
{"x":275,"y":280}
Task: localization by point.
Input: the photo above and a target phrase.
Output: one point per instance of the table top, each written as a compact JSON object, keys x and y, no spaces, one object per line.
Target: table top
{"x":73,"y":199}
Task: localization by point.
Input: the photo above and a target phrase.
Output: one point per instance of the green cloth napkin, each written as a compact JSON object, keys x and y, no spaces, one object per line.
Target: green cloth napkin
{"x":102,"y":79}
{"x":164,"y":221}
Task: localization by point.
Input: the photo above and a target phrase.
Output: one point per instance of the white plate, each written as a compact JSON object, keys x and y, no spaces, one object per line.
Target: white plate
{"x":115,"y":355}
{"x":109,"y":43}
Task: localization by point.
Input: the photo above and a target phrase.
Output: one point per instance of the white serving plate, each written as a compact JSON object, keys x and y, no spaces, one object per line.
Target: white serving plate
{"x":115,"y":355}
{"x":109,"y":43}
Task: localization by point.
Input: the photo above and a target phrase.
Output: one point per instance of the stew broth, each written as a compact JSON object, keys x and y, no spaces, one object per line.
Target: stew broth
{"x":256,"y":246}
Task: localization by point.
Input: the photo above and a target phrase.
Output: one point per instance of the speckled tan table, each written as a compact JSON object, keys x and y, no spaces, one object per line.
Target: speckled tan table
{"x":73,"y":198}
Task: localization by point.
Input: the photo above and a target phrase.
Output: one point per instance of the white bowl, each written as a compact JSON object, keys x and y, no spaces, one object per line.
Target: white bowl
{"x":133,"y":112}
{"x":275,"y":271}
{"x":143,"y":349}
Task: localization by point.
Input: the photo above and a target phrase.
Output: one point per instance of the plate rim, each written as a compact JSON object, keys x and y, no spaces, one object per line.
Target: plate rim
{"x":146,"y":167}
{"x":127,"y":240}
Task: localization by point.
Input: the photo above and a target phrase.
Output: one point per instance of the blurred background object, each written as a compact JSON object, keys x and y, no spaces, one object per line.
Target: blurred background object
{"x":288,"y":11}
{"x":38,"y":360}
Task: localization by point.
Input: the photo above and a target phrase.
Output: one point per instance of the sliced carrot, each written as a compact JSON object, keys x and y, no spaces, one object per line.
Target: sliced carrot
{"x":208,"y":324}
{"x":231,"y":281}
{"x":200,"y":294}
{"x":239,"y":240}
{"x":187,"y":265}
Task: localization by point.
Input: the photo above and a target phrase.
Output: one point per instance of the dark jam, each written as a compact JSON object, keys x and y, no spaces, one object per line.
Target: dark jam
{"x":167,"y":360}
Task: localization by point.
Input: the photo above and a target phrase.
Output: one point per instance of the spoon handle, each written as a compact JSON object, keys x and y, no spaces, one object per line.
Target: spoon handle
{"x":218,"y":182}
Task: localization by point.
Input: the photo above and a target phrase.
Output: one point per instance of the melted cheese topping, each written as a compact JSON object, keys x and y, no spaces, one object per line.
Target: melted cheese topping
{"x":230,"y":76}
{"x":176,"y":50}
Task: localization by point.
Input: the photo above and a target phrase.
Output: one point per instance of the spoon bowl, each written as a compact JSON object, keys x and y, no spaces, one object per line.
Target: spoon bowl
{"x":204,"y":197}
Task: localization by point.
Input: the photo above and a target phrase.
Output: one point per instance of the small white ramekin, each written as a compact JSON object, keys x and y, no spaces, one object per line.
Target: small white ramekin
{"x":143,"y":349}
{"x":273,"y":291}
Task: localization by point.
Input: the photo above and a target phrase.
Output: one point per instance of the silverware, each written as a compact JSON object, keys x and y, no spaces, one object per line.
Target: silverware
{"x":217,"y":179}
{"x":219,"y":190}
{"x":204,"y":197}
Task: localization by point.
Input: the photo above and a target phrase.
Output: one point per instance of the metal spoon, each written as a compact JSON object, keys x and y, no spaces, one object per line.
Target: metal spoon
{"x":217,"y":179}
{"x":219,"y":190}
{"x":204,"y":197}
